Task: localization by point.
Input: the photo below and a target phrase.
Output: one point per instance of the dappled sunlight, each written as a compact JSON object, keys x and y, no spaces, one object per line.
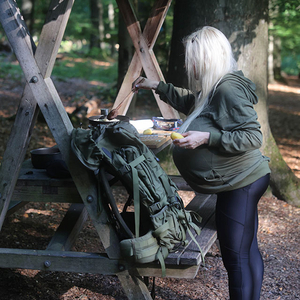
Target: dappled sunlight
{"x":70,"y":65}
{"x":101,"y":63}
{"x":281,"y":109}
{"x":279,"y":87}
{"x":279,"y":218}
{"x":97,"y":83}
{"x":29,"y":273}
{"x":85,"y":293}
{"x":37,"y":211}
{"x":87,"y":60}
{"x":284,"y":119}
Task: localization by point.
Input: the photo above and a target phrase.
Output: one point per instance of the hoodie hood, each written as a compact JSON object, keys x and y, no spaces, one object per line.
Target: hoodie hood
{"x":244,"y":83}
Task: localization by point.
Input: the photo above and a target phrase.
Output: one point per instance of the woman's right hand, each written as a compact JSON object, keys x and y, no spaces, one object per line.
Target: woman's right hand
{"x":144,"y":83}
{"x":192,"y":139}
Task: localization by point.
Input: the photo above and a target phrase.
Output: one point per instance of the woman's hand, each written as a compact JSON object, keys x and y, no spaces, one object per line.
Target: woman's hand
{"x":144,"y":83}
{"x":192,"y":139}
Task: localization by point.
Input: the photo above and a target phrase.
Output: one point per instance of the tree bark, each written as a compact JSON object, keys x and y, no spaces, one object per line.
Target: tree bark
{"x":28,"y":13}
{"x":245,"y":23}
{"x":111,"y":20}
{"x":126,"y":51}
{"x":97,"y":35}
{"x":277,"y":59}
{"x":271,"y":60}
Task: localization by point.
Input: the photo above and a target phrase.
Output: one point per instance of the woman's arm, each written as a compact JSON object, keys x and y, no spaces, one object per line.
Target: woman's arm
{"x":181,"y":99}
{"x":144,"y":83}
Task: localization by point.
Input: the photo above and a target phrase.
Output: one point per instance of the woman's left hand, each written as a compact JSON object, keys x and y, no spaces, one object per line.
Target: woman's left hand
{"x":192,"y":139}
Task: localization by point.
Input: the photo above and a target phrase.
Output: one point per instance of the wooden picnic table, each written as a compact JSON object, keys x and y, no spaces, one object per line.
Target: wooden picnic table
{"x":34,"y":185}
{"x":20,"y":183}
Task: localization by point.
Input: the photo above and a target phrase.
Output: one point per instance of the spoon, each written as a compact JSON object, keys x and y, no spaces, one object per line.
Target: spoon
{"x":114,"y":112}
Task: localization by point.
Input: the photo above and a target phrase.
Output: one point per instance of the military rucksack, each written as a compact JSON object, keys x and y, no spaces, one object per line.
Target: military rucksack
{"x":115,"y":152}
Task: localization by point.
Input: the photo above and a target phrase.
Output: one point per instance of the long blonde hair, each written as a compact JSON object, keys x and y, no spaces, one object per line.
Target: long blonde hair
{"x":208,"y":57}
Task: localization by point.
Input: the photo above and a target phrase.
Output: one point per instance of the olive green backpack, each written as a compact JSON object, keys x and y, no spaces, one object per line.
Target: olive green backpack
{"x":159,"y":223}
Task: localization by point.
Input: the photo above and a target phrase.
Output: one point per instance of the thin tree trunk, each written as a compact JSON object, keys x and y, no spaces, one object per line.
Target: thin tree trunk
{"x":126,"y":50}
{"x":111,"y":19}
{"x":277,"y":59}
{"x":271,"y":60}
{"x":28,"y":13}
{"x":246,"y":27}
{"x":101,"y":25}
{"x":97,"y":35}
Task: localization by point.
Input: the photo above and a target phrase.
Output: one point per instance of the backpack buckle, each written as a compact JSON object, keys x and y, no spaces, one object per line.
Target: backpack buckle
{"x":124,"y":169}
{"x":155,"y":207}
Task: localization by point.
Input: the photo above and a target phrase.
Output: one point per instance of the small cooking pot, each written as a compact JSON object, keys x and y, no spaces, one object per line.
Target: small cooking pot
{"x":42,"y":157}
{"x":102,"y":120}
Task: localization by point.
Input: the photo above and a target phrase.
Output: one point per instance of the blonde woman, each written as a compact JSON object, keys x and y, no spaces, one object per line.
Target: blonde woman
{"x":220,"y":153}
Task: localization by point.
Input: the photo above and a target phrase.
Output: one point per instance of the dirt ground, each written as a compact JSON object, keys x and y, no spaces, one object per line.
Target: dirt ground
{"x":32,"y":226}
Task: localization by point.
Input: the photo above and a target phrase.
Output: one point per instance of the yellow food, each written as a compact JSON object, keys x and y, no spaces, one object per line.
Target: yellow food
{"x":176,"y":136}
{"x":147,"y":131}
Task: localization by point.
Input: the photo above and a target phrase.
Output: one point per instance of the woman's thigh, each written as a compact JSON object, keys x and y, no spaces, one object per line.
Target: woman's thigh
{"x":236,"y":215}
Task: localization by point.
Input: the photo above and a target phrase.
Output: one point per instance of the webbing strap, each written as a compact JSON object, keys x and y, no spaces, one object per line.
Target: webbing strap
{"x":136,"y":193}
{"x":162,"y":262}
{"x":99,"y":199}
{"x":163,"y":228}
{"x":167,"y":187}
{"x":195,"y":241}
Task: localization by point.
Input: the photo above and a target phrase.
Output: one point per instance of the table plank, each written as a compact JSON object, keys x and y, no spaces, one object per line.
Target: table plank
{"x":36,"y":186}
{"x":204,"y":205}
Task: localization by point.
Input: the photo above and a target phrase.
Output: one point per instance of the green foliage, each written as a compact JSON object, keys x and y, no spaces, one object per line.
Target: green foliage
{"x":10,"y":70}
{"x":79,"y":29}
{"x":79,"y":24}
{"x":291,"y":64}
{"x":285,"y":20}
{"x":85,"y":68}
{"x":68,"y":67}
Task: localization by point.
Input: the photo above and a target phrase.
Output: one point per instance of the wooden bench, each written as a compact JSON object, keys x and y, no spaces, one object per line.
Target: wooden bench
{"x":35,"y":186}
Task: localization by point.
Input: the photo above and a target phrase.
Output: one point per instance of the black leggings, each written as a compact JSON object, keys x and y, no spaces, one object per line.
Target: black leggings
{"x":237,"y":222}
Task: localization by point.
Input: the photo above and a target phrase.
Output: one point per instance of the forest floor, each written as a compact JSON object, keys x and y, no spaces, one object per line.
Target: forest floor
{"x":32,"y":226}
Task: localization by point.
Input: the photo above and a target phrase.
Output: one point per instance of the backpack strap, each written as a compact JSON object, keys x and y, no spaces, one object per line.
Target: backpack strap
{"x":135,"y":187}
{"x":161,"y":258}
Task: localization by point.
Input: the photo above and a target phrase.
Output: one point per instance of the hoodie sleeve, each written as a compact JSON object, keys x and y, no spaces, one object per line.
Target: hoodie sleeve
{"x":180,"y":99}
{"x":236,"y":119}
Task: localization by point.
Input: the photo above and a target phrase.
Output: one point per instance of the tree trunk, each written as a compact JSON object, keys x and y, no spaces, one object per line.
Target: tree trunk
{"x":245,"y":24}
{"x":97,"y":35}
{"x":126,"y":50}
{"x":277,"y":59}
{"x":111,"y":20}
{"x":28,"y":13}
{"x":271,"y":78}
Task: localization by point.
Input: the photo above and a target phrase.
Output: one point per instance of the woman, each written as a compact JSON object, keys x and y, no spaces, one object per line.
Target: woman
{"x":220,"y":151}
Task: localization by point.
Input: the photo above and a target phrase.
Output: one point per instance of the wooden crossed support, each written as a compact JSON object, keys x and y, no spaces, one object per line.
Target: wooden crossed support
{"x":144,"y":57}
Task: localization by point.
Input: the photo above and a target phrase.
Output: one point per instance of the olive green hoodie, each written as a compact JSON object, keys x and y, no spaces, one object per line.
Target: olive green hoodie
{"x":232,"y":158}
